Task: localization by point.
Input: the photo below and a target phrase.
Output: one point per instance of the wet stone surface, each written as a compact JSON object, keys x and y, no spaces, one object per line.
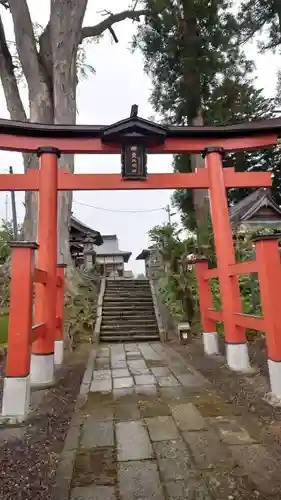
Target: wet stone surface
{"x":96,"y":466}
{"x":122,"y":383}
{"x":132,"y":441}
{"x":191,"y":489}
{"x":94,"y":493}
{"x":154,"y":429}
{"x":139,"y":480}
{"x":144,"y":379}
{"x":95,"y":434}
{"x":162,"y":428}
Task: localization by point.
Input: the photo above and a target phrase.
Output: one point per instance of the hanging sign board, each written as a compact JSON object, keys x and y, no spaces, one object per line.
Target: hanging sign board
{"x":134,"y":162}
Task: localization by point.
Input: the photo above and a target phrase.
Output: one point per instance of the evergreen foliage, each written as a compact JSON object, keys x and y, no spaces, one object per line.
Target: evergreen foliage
{"x":193,"y":55}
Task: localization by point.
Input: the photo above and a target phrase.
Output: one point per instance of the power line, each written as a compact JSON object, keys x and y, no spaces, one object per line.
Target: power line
{"x":120,"y":211}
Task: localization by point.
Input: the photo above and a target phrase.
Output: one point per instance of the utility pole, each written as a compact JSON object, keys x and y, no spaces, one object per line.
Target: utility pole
{"x":6,"y":208}
{"x":168,"y":210}
{"x":14,"y":210}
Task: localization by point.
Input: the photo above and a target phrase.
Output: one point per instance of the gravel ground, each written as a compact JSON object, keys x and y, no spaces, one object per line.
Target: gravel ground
{"x":244,"y":392}
{"x":29,"y":454}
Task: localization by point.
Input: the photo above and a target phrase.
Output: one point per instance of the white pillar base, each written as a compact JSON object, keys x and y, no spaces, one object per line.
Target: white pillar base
{"x":274,"y":368}
{"x":59,"y":352}
{"x":238,"y":358}
{"x":16,"y":398}
{"x":210,"y":341}
{"x":42,"y":369}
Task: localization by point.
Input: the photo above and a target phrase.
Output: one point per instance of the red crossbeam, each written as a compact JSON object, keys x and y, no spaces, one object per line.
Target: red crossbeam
{"x":40,"y":276}
{"x":58,"y":322}
{"x":211,"y":273}
{"x":247,"y":267}
{"x":38,"y":331}
{"x":171,"y":146}
{"x":246,"y":179}
{"x":59,"y":281}
{"x":249,"y":321}
{"x":84,"y":182}
{"x":215,"y":315}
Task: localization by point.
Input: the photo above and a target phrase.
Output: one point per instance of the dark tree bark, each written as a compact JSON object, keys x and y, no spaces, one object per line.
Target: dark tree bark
{"x":191,"y":45}
{"x":51,"y":76}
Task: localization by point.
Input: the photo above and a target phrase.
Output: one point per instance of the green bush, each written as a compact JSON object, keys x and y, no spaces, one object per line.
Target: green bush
{"x":4,"y":323}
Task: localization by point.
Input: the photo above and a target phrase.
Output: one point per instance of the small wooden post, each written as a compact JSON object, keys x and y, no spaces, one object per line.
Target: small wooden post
{"x":59,"y":338}
{"x":42,"y":358}
{"x":210,"y":336}
{"x":269,"y":272}
{"x":16,"y":393}
{"x":235,"y":336}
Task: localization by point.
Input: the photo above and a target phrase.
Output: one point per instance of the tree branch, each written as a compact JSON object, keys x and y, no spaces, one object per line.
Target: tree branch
{"x":25,"y":40}
{"x":5,"y":4}
{"x":98,"y":29}
{"x":9,"y":81}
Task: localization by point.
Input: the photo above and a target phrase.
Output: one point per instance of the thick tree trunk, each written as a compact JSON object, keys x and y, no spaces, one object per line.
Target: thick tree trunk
{"x":41,"y":111}
{"x":50,"y":72}
{"x":191,"y":39}
{"x":201,"y":199}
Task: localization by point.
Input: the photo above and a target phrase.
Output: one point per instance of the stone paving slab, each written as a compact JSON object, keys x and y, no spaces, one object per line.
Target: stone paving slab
{"x":188,"y":418}
{"x":169,"y":381}
{"x":193,"y":489}
{"x":207,"y":450}
{"x":104,"y":385}
{"x":152,"y":428}
{"x":132,"y":441}
{"x":120,"y":373}
{"x":162,"y":428}
{"x":231,"y":432}
{"x":94,"y":493}
{"x":95,"y":434}
{"x":96,"y":466}
{"x":145,"y":379}
{"x":139,"y":481}
{"x":122,"y":383}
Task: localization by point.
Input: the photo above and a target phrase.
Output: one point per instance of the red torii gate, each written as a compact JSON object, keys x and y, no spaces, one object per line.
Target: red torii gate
{"x":35,"y":346}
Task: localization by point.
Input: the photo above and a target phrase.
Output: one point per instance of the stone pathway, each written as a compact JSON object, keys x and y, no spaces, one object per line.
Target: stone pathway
{"x":148,"y":426}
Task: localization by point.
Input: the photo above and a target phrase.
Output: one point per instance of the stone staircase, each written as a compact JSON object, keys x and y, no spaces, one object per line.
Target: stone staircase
{"x":128,"y":312}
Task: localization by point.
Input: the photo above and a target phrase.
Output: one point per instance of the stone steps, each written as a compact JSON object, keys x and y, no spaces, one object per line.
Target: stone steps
{"x":119,"y":302}
{"x":130,"y":338}
{"x":126,"y":326}
{"x":128,"y":312}
{"x":132,"y":320}
{"x":127,"y":309}
{"x":128,"y":299}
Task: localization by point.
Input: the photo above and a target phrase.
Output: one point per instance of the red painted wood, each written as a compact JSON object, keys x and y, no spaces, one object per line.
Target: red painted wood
{"x":96,"y":146}
{"x":20,"y":320}
{"x":45,"y":299}
{"x":229,"y":287}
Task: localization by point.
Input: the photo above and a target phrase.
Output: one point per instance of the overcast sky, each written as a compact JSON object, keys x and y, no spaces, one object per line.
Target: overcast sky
{"x":103,"y":99}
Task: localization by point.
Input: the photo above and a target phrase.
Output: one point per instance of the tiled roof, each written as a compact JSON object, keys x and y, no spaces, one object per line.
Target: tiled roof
{"x":246,"y":208}
{"x":80,"y":226}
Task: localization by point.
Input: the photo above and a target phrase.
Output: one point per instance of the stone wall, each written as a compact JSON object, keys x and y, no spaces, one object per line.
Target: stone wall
{"x":169,"y":324}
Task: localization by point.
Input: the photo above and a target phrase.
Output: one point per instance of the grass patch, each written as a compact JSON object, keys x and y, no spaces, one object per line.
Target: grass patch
{"x":4,"y":322}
